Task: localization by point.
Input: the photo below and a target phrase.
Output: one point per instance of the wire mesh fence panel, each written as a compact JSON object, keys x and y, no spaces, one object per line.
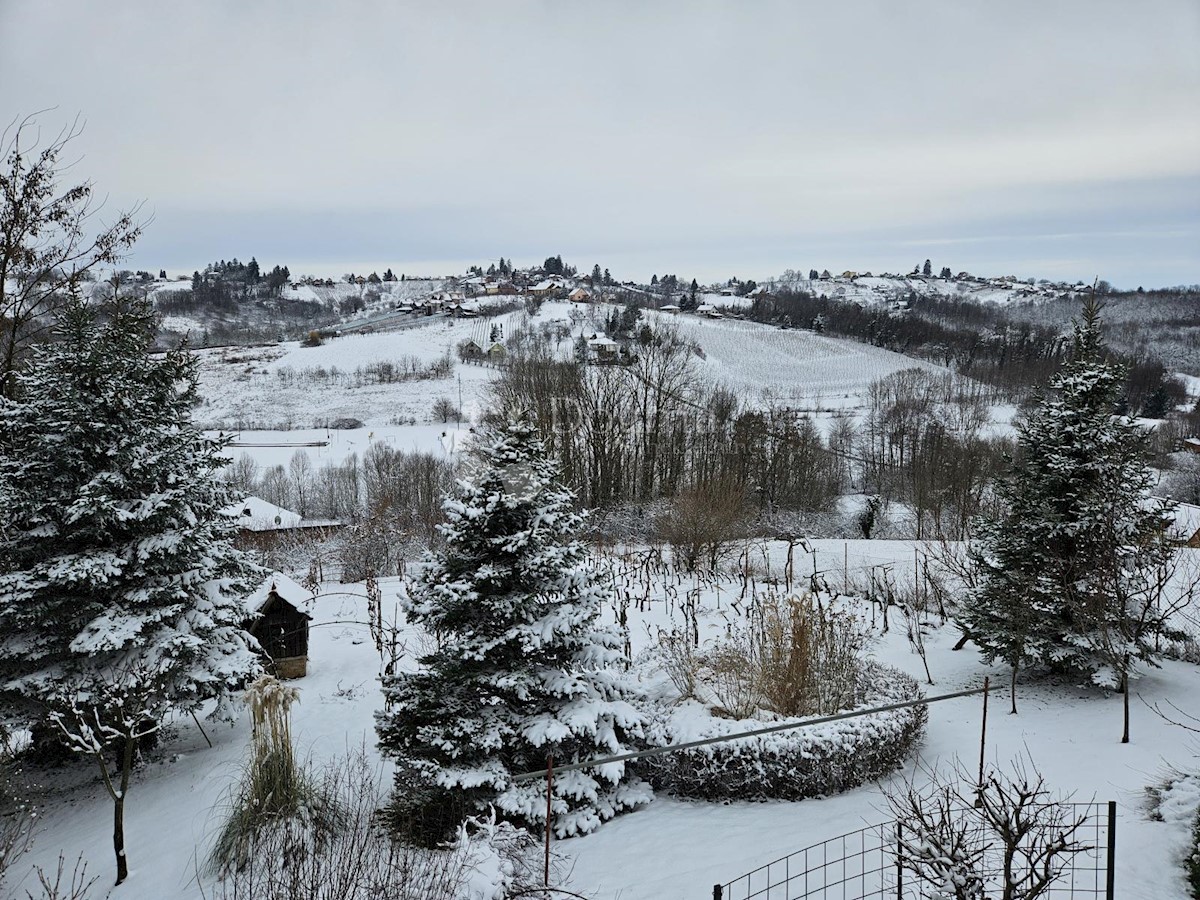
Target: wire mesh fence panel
{"x":854,"y":866}
{"x":869,"y":863}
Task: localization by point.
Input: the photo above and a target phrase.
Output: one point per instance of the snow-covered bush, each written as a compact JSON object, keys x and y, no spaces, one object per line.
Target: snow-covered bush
{"x":790,"y":765}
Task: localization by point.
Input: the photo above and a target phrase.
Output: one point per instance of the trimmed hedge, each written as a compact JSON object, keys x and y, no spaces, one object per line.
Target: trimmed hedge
{"x":791,"y":765}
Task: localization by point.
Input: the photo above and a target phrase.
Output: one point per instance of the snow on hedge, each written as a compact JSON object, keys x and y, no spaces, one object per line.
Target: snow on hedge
{"x":788,"y":765}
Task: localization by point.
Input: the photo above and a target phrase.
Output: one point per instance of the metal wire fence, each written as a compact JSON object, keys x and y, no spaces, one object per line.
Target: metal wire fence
{"x":869,"y":863}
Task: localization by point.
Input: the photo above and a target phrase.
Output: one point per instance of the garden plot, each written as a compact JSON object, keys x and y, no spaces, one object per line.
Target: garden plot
{"x":764,"y":364}
{"x":671,"y":848}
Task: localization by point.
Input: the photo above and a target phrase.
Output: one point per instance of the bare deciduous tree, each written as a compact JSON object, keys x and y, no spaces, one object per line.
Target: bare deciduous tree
{"x":1006,"y":838}
{"x":46,"y":246}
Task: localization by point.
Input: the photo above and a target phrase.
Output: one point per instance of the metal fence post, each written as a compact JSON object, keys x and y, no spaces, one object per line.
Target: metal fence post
{"x":718,"y":892}
{"x":1109,"y":890}
{"x":900,"y":861}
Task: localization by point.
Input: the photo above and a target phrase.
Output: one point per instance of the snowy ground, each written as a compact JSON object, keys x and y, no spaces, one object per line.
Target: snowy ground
{"x":670,"y":849}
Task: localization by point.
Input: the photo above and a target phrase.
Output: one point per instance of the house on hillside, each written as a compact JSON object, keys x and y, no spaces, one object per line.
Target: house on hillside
{"x":543,"y":288}
{"x":671,"y":309}
{"x":1192,"y":445}
{"x":602,"y":349}
{"x":277,"y":617}
{"x":727,"y":291}
{"x":470,"y":350}
{"x":497,"y":353}
{"x":579,"y":295}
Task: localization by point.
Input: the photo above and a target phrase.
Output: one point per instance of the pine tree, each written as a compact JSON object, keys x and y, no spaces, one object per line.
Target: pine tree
{"x":1058,"y":571}
{"x":523,"y":670}
{"x":691,"y":301}
{"x":927,"y":269}
{"x":120,"y":586}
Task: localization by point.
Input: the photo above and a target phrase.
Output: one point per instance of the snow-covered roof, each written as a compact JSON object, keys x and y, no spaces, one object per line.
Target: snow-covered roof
{"x":1187,"y":521}
{"x":256,"y":514}
{"x":279,"y":584}
{"x":598,"y":342}
{"x":544,"y":286}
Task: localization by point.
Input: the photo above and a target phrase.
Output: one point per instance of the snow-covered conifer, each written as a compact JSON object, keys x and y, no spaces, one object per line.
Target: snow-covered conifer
{"x":114,"y":555}
{"x":1059,"y":570}
{"x":523,"y":669}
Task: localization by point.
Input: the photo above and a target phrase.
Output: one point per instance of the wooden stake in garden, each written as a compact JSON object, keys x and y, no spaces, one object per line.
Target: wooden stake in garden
{"x":549,"y":800}
{"x":987,"y":683}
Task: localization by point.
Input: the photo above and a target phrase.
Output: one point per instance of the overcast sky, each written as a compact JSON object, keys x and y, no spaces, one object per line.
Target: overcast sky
{"x":1048,"y":139}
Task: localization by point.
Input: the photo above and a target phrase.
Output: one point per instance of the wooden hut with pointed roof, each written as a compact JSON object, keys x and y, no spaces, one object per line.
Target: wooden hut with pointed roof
{"x":277,"y":618}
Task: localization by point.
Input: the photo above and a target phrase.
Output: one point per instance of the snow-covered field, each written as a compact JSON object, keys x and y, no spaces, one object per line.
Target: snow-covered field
{"x":793,"y":367}
{"x":244,"y":387}
{"x":669,"y":849}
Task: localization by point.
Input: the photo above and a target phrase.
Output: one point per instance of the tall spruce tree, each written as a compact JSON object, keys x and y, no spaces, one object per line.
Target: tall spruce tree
{"x":120,"y":586}
{"x":1058,"y":572}
{"x":523,"y":670}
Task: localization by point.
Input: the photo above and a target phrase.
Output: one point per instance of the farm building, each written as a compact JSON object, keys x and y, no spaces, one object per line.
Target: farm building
{"x":261,"y":525}
{"x":278,"y":620}
{"x":1192,"y":445}
{"x":256,"y":514}
{"x":497,"y":351}
{"x":670,"y":309}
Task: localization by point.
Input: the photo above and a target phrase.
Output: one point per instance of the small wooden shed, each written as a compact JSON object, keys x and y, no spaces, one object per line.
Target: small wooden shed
{"x":277,"y":619}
